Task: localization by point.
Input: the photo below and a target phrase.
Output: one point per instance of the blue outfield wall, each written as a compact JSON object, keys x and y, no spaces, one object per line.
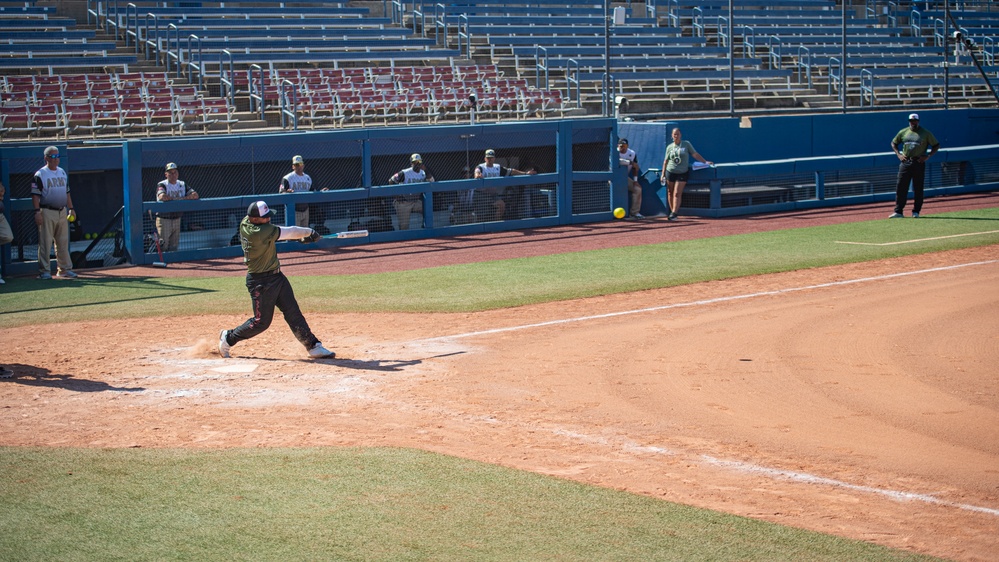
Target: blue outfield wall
{"x":575,"y":182}
{"x":734,"y":139}
{"x":764,"y":164}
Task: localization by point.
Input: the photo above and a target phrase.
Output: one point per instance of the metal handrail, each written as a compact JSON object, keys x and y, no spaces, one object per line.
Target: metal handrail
{"x":440,"y":22}
{"x":464,"y":33}
{"x":775,"y":51}
{"x":866,"y":86}
{"x":749,"y":41}
{"x":253,"y":97}
{"x":805,"y":60}
{"x":569,"y":80}
{"x":283,"y":98}
{"x":135,"y":10}
{"x":834,"y":76}
{"x":540,"y":54}
{"x":199,"y":65}
{"x":176,"y":32}
{"x":673,"y":13}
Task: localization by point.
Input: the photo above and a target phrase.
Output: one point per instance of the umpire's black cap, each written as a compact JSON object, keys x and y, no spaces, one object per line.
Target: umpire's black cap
{"x":259,"y":209}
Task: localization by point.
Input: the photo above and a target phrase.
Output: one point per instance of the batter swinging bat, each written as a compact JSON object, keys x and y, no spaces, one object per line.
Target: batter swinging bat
{"x":352,"y":234}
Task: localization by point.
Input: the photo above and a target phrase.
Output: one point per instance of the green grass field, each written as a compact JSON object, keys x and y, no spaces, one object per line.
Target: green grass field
{"x":390,"y":504}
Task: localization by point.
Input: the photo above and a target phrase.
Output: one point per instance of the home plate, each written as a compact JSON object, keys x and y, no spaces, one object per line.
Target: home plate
{"x":241,"y":368}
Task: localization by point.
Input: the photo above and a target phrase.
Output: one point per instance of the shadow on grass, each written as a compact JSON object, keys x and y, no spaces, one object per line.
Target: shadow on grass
{"x":29,"y":375}
{"x":130,"y":289}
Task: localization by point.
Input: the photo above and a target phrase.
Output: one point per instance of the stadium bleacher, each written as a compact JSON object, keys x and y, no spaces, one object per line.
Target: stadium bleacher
{"x":147,"y":68}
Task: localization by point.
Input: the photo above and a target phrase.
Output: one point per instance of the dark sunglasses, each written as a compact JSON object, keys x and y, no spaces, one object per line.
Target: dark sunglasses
{"x":53,"y":156}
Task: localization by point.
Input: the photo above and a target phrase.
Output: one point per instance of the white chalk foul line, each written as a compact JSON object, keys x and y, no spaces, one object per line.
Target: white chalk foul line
{"x":704,"y":302}
{"x":812,"y":479}
{"x":774,"y":474}
{"x":747,"y":467}
{"x":916,"y":240}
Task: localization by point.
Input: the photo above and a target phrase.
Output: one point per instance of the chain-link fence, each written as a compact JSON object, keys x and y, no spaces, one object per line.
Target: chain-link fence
{"x":752,"y":189}
{"x":353,"y":179}
{"x":334,"y":165}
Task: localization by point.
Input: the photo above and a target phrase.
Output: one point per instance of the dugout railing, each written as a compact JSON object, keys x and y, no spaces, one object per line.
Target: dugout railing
{"x":575,"y":182}
{"x":809,"y":183}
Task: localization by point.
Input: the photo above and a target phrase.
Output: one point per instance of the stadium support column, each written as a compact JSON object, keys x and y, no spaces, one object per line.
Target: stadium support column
{"x":606,"y":84}
{"x":946,"y":63}
{"x":842,"y":63}
{"x":731,"y":61}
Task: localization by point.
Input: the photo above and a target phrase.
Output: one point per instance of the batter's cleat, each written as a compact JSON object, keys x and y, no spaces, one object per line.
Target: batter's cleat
{"x":671,"y":217}
{"x":915,"y":215}
{"x":66,"y":275}
{"x":896,"y":216}
{"x":224,"y":346}
{"x":319,"y":352}
{"x":45,"y":275}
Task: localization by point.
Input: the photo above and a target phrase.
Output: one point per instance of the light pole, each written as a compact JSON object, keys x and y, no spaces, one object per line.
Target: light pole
{"x":606,"y":84}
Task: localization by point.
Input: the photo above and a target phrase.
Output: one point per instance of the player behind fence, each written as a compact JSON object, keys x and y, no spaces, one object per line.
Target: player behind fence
{"x":168,"y":224}
{"x":406,"y":204}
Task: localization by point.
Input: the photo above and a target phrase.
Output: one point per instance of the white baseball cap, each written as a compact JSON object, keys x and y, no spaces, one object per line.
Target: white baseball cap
{"x":259,"y":209}
{"x":297,"y":160}
{"x":913,"y":117}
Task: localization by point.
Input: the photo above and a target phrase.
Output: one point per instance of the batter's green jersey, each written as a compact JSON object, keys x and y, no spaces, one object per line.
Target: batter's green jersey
{"x":913,"y":144}
{"x":259,"y":250}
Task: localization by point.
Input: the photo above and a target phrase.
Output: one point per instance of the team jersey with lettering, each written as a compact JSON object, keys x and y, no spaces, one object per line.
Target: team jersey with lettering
{"x":409,"y":175}
{"x":51,"y":186}
{"x":297,"y":184}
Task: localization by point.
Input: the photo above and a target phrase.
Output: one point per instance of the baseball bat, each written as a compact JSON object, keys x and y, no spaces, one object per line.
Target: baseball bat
{"x":156,"y":239}
{"x":352,"y":234}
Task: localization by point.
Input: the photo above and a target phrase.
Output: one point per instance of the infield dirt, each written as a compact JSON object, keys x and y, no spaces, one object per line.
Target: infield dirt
{"x":868,"y":410}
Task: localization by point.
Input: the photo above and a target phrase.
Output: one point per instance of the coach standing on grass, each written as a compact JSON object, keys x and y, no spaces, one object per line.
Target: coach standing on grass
{"x":910,"y":146}
{"x":269,"y":287}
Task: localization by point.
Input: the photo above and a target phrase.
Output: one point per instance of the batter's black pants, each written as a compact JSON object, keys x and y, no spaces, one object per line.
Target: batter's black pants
{"x":268,"y":290}
{"x":910,"y":171}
